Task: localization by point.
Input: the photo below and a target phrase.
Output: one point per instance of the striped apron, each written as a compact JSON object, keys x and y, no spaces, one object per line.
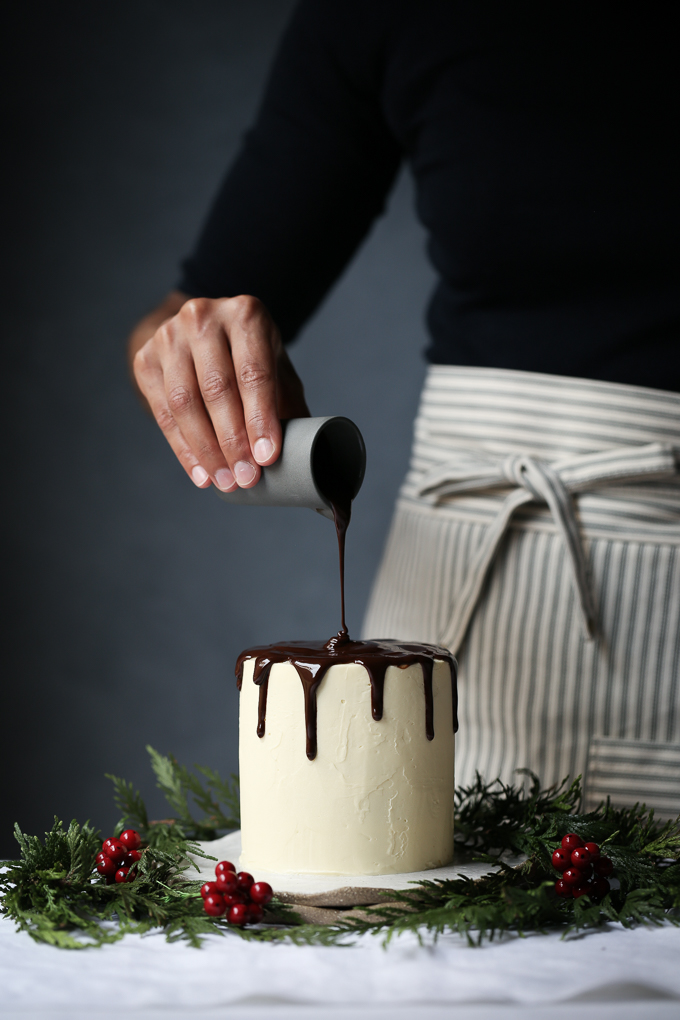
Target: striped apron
{"x":537,"y":535}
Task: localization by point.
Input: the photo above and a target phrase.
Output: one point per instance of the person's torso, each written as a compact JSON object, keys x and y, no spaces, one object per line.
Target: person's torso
{"x":543,"y":145}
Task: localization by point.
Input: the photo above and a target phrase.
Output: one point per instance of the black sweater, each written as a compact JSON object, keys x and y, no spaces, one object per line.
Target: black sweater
{"x":543,"y":142}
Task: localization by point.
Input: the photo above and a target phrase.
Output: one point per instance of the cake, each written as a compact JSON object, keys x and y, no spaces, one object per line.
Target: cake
{"x":346,"y":757}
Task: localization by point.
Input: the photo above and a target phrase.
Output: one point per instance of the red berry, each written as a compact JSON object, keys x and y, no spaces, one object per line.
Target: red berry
{"x":208,"y":888}
{"x":600,"y":888}
{"x":224,"y":866}
{"x":582,"y":890}
{"x":244,"y":881}
{"x":114,"y":849}
{"x":593,"y":849}
{"x":261,"y":892}
{"x":105,"y":866}
{"x":255,"y":913}
{"x":562,"y":888}
{"x":580,"y":857}
{"x":125,"y":875}
{"x":226,"y":881}
{"x":603,"y":866}
{"x":232,"y":898}
{"x":238,"y":914}
{"x":214,"y":905}
{"x":131,"y":858}
{"x":573,"y":876}
{"x":131,"y":839}
{"x":571,"y":841}
{"x":561,"y":859}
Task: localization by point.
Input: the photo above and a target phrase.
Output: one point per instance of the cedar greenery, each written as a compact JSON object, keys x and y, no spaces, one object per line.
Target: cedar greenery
{"x":53,"y":893}
{"x":218,"y":800}
{"x":494,"y":819}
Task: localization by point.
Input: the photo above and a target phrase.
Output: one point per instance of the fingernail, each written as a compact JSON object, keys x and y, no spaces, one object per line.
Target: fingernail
{"x":224,"y":479}
{"x":244,"y":472}
{"x":199,"y":475}
{"x":263,"y":450}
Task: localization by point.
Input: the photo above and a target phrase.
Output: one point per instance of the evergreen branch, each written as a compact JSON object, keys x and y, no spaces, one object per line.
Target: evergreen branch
{"x":169,"y":781}
{"x":488,"y":815}
{"x":177,"y":783}
{"x":53,"y":894}
{"x":220,"y":791}
{"x":129,"y":802}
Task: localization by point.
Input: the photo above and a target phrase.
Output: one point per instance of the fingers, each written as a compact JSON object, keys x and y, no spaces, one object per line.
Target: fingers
{"x":149,"y":377}
{"x":209,"y":376}
{"x":146,"y":327}
{"x":186,"y":405}
{"x":253,"y":337}
{"x":231,"y":350}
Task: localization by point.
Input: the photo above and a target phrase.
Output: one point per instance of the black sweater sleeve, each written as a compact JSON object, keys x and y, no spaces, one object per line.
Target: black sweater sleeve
{"x":312,"y":174}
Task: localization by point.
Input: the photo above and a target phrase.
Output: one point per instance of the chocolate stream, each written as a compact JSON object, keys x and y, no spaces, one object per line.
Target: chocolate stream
{"x":342,"y":513}
{"x":313,"y":660}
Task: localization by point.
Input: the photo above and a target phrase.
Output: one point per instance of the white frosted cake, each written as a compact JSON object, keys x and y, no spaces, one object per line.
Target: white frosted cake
{"x":346,"y":758}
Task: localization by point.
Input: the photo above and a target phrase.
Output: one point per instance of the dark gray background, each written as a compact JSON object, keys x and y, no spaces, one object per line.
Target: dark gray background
{"x":129,"y":592}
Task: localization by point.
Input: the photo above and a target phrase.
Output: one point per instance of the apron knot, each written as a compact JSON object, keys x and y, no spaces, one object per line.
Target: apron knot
{"x":530,"y":474}
{"x":540,"y":482}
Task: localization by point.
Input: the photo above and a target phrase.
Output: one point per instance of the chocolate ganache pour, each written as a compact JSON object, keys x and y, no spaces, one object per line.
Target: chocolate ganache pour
{"x":313,"y":659}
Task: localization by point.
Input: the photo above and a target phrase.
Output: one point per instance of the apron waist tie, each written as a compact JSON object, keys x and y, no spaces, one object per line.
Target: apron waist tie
{"x":538,"y":482}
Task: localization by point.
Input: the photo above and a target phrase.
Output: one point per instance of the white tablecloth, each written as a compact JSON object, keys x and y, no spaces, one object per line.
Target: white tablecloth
{"x":614,"y":974}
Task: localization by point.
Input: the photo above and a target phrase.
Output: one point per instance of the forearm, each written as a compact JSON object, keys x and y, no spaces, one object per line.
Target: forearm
{"x":312,"y":175}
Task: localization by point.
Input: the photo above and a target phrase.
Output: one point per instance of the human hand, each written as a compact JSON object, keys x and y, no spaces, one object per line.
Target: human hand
{"x":218,"y":380}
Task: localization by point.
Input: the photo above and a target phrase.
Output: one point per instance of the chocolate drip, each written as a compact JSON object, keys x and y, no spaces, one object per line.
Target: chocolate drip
{"x":311,"y":675}
{"x":262,"y":701}
{"x":428,"y":668}
{"x":313,"y":660}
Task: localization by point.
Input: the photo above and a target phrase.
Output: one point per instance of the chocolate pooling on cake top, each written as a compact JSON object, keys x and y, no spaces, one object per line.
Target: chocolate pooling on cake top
{"x":313,"y":659}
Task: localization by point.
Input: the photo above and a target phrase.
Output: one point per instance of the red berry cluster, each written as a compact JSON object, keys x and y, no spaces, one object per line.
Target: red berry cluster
{"x":117,"y":857}
{"x":584,"y":869}
{"x":237,"y":895}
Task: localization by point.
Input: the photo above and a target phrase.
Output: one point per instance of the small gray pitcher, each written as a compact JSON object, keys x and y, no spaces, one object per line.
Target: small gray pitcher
{"x":320,"y":458}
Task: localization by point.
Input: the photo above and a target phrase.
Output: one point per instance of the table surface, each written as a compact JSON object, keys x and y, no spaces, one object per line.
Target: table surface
{"x":613,"y":974}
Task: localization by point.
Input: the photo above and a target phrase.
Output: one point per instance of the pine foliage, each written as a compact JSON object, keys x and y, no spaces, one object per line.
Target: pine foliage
{"x":494,"y":819}
{"x":55,"y":895}
{"x":217,"y":799}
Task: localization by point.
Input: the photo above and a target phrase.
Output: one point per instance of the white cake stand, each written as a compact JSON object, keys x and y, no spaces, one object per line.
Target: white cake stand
{"x":229,"y":848}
